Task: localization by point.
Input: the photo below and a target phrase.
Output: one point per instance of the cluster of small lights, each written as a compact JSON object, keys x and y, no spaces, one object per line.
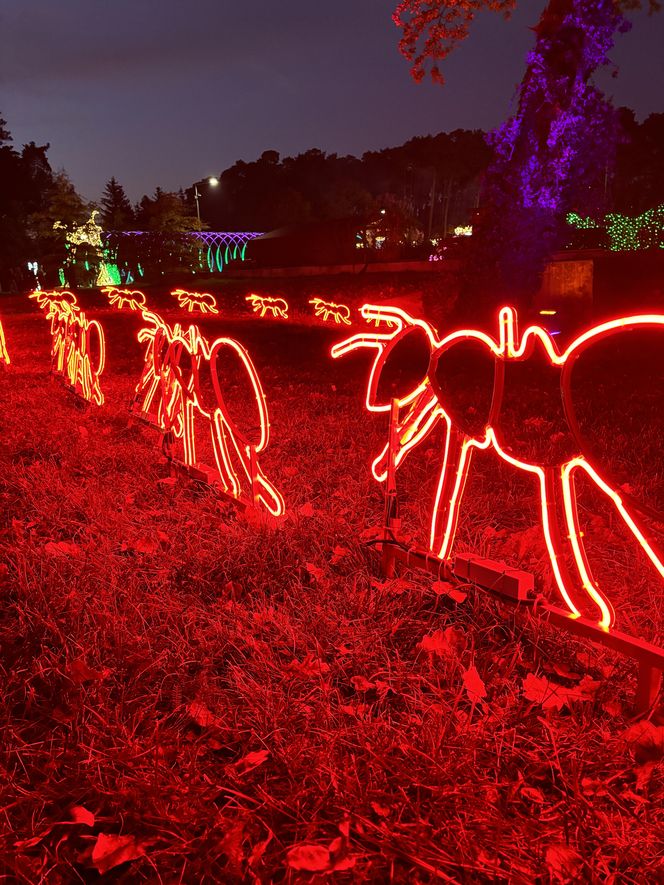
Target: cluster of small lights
{"x":262,"y":304}
{"x":200,"y":301}
{"x":424,"y":407}
{"x":627,"y":233}
{"x":171,"y":398}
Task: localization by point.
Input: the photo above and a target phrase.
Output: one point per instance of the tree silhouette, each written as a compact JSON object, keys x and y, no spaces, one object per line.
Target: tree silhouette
{"x":116,"y":210}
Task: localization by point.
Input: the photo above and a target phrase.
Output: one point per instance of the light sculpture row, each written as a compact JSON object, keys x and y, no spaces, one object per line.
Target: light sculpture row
{"x":427,"y":405}
{"x":181,"y":393}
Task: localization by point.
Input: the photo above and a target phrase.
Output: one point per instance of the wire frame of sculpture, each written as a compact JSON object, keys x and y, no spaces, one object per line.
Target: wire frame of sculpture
{"x":427,"y":404}
{"x":181,"y":393}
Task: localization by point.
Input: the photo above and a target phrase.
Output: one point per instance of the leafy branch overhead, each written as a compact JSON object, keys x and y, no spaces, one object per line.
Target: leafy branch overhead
{"x":431,"y":29}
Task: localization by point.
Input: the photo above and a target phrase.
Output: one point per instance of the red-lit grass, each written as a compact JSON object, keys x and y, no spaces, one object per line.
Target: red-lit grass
{"x":224,"y":691}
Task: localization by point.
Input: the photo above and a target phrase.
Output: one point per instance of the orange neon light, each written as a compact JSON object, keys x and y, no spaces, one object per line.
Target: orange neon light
{"x":172,"y":399}
{"x":200,"y":301}
{"x":263,"y":303}
{"x":326,"y":309}
{"x":424,"y":407}
{"x":78,"y":351}
{"x":4,"y":355}
{"x":46,"y":299}
{"x":131,"y":299}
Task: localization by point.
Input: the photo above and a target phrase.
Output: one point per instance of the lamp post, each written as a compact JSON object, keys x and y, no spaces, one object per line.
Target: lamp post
{"x":213,"y":181}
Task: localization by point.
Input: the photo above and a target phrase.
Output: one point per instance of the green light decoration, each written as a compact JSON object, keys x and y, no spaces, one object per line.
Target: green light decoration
{"x":108,"y":275}
{"x":627,"y":233}
{"x":96,"y":257}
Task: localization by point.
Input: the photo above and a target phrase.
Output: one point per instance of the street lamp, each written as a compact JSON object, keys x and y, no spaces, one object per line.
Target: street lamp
{"x":213,"y":181}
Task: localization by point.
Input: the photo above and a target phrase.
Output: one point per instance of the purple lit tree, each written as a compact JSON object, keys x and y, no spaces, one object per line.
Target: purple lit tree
{"x":552,"y":156}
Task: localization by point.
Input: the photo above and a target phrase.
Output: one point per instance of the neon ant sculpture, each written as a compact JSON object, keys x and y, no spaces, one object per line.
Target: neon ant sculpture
{"x":132,"y":299}
{"x":327,"y":309}
{"x":428,"y":404}
{"x":201,"y":301}
{"x":171,"y":398}
{"x":77,"y":349}
{"x":263,"y":303}
{"x":59,"y":297}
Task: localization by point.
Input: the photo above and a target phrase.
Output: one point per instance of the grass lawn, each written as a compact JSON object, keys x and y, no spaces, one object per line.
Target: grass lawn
{"x":194,"y":695}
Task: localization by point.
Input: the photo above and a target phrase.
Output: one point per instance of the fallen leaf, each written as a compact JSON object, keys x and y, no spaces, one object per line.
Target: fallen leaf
{"x":444,"y":588}
{"x":146,"y":545}
{"x":80,"y":815}
{"x":359,"y":683}
{"x":253,"y":760}
{"x":306,"y":510}
{"x":473,"y":684}
{"x":312,"y":858}
{"x":646,"y":741}
{"x":316,"y":573}
{"x":338,"y":554}
{"x":549,"y":694}
{"x":441,"y":642}
{"x":110,"y":851}
{"x":79,"y":672}
{"x":202,"y":716}
{"x":564,"y":863}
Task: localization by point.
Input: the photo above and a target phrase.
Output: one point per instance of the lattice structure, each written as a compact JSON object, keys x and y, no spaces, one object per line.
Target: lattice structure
{"x":216,"y":249}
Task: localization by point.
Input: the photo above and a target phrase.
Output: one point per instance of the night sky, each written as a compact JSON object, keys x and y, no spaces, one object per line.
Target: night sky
{"x":163,"y":92}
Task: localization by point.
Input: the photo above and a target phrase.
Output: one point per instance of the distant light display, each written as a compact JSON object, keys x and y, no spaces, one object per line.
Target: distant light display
{"x":627,"y":233}
{"x":170,"y":396}
{"x":262,"y":304}
{"x":340,"y":313}
{"x":216,"y":248}
{"x":426,"y":405}
{"x":202,"y":302}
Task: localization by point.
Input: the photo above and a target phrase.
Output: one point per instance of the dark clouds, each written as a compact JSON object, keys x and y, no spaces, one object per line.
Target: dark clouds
{"x":161,"y":92}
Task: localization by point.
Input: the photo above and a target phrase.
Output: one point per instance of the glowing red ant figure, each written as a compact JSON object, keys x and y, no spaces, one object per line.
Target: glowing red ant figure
{"x":201,"y":301}
{"x":327,"y":309}
{"x":181,"y":400}
{"x":262,"y":303}
{"x":427,"y":404}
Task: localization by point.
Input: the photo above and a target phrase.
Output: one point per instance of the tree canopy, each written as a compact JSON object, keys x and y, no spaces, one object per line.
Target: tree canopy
{"x":431,"y":29}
